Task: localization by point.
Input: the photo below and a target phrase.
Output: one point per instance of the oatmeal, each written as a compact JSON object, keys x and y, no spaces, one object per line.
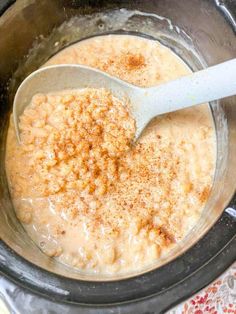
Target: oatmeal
{"x":88,"y":196}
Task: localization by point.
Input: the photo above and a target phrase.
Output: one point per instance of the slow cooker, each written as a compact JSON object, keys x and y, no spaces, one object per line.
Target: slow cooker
{"x":202,"y":33}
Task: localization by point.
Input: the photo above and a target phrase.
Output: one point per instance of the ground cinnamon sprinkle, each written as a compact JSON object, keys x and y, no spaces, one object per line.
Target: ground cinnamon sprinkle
{"x":204,"y":194}
{"x":133,"y":61}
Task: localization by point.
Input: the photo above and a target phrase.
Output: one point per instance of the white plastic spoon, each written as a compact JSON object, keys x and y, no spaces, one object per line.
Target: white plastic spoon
{"x":206,"y":85}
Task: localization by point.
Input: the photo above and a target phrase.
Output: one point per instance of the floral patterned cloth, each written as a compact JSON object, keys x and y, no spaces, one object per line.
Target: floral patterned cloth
{"x":219,"y":297}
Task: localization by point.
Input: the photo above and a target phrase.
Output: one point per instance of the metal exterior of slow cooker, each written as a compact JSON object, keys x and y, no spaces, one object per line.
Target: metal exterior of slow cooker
{"x":152,"y":292}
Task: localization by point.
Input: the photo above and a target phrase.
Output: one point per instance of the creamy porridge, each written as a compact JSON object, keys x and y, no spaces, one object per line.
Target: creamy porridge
{"x":84,"y":193}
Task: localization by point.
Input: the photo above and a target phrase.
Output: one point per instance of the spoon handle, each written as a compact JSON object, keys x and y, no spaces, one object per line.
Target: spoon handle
{"x":213,"y":83}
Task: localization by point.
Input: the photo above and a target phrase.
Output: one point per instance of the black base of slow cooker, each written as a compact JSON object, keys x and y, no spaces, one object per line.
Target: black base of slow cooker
{"x":153,"y":292}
